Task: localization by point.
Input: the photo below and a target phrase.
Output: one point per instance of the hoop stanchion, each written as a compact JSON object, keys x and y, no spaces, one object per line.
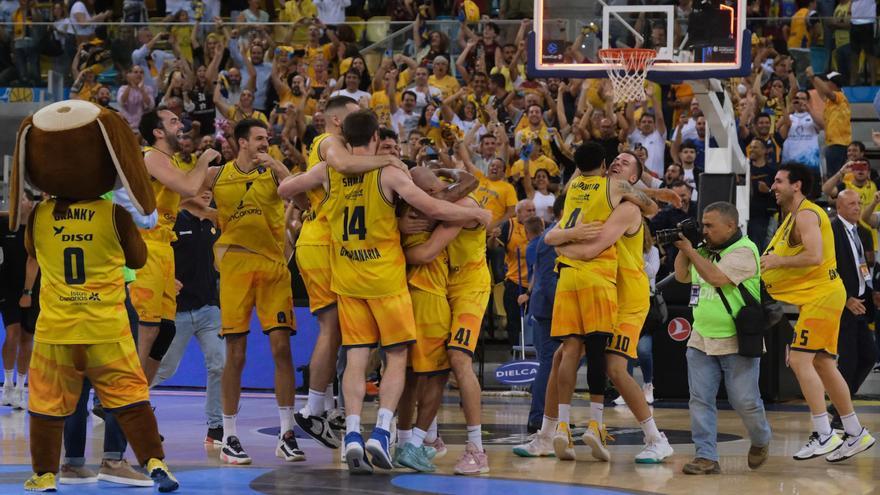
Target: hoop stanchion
{"x":627,"y":70}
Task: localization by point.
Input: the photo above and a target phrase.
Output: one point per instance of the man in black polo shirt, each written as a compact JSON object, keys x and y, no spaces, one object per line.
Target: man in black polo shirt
{"x":198,"y":309}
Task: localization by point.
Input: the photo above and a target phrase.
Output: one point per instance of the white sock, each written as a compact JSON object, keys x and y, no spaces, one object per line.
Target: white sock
{"x":19,"y":382}
{"x":564,"y":413}
{"x":548,"y":425}
{"x":329,"y":400}
{"x":285,"y":414}
{"x":353,"y":424}
{"x":597,"y":410}
{"x":8,"y":378}
{"x":431,"y":435}
{"x":821,"y":425}
{"x":418,"y":437}
{"x":649,"y":427}
{"x":228,"y":427}
{"x":403,"y":436}
{"x":475,"y":436}
{"x":314,"y":405}
{"x":851,"y":424}
{"x":383,"y":419}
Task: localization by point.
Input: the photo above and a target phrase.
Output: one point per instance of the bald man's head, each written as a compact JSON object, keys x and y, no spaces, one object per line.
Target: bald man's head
{"x":849,"y":206}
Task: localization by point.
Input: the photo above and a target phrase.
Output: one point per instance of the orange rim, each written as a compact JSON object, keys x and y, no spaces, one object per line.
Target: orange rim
{"x":631,"y":58}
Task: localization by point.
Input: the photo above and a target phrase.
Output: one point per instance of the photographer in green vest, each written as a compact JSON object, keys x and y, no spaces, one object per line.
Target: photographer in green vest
{"x":724,"y":260}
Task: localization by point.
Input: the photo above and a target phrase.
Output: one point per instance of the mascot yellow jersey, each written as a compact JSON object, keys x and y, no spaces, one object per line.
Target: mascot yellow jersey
{"x":249,"y":210}
{"x":366,"y":260}
{"x":589,"y":200}
{"x":315,"y":231}
{"x":81,"y":260}
{"x":167,"y":205}
{"x":802,"y":284}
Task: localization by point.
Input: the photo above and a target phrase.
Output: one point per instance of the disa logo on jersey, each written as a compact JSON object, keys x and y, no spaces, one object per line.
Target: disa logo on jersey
{"x":76,"y":237}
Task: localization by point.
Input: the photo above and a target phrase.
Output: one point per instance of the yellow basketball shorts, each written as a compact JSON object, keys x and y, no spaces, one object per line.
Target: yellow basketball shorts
{"x":433,"y":319}
{"x":585,"y":303}
{"x":468,"y":309}
{"x":385,"y":321}
{"x":818,"y":323}
{"x":153,"y":294}
{"x":248,"y":280}
{"x":314,"y":267}
{"x":57,"y":370}
{"x":625,"y":336}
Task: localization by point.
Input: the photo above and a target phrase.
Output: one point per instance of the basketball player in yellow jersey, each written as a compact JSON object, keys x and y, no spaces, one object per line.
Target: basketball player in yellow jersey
{"x":369,"y":276}
{"x":428,"y":276}
{"x":585,"y":308}
{"x":153,"y":293}
{"x":83,"y":332}
{"x":313,"y":261}
{"x":625,"y":230}
{"x":799,"y":267}
{"x":253,"y":273}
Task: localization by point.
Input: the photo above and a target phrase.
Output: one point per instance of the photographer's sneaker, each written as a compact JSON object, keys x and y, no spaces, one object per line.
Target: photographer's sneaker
{"x":655,"y":451}
{"x":233,"y":453}
{"x":563,"y":445}
{"x":214,"y":437}
{"x":817,"y":446}
{"x":538,"y":446}
{"x":852,"y":445}
{"x":78,"y":475}
{"x":319,"y":428}
{"x":288,"y":449}
{"x":121,"y":473}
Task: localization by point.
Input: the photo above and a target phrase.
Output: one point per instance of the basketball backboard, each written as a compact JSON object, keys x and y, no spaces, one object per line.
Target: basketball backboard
{"x":709,"y":42}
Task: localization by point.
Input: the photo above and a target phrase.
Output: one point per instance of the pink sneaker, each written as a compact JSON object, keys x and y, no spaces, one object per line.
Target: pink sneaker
{"x":438,"y":447}
{"x":472,"y":462}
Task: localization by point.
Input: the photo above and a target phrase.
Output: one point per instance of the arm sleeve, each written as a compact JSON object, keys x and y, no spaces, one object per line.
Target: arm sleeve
{"x":121,"y":198}
{"x":132,"y":245}
{"x":738,"y":265}
{"x":139,"y":56}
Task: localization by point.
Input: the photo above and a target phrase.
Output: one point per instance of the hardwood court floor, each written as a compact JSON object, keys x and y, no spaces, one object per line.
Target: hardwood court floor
{"x":181,"y":421}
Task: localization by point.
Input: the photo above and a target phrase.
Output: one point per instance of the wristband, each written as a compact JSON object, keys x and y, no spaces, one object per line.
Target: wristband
{"x":27,"y":292}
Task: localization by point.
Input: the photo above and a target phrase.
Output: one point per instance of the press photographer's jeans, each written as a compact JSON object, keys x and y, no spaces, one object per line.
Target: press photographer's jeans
{"x":204,"y":325}
{"x":740,"y":376}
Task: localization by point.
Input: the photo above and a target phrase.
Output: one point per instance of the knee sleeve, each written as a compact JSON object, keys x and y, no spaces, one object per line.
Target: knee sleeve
{"x":163,"y":340}
{"x":595,"y":352}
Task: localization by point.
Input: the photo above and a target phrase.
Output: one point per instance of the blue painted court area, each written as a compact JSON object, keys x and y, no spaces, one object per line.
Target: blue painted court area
{"x":455,"y":485}
{"x":216,"y":481}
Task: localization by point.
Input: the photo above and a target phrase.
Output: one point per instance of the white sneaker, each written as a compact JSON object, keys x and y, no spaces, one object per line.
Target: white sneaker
{"x":648,"y":389}
{"x":852,"y":445}
{"x":563,"y":445}
{"x":8,"y":391}
{"x":619,"y":401}
{"x":538,"y":446}
{"x":596,"y":438}
{"x":17,"y":399}
{"x":817,"y":446}
{"x":655,"y":451}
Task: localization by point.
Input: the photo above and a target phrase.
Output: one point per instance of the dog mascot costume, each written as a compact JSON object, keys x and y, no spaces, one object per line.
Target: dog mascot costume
{"x":76,"y":151}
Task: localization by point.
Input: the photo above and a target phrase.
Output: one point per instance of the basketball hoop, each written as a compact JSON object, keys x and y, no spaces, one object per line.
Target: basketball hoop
{"x":627,"y":70}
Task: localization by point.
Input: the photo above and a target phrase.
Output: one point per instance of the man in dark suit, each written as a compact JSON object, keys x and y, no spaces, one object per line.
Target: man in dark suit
{"x":855,"y":344}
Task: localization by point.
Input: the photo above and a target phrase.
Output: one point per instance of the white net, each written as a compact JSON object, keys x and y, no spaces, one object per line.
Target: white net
{"x":627,"y":70}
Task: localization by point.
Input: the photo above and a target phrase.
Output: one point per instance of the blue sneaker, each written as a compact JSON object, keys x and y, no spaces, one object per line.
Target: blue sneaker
{"x":415,"y":458}
{"x":355,"y":455}
{"x":377,"y":446}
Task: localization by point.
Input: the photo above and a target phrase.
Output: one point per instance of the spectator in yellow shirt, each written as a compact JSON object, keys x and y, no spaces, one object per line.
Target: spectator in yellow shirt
{"x":441,"y":79}
{"x":837,"y":116}
{"x":537,"y":161}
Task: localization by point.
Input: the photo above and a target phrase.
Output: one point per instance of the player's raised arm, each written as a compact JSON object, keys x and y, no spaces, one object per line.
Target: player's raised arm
{"x":294,"y":187}
{"x":339,"y":156}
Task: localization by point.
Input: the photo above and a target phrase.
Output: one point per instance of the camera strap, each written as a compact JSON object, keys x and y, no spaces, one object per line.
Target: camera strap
{"x":748,"y":299}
